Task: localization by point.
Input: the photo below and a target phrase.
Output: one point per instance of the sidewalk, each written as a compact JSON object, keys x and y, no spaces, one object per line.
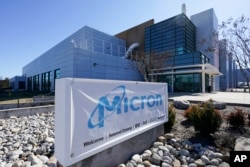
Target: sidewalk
{"x":231,"y":98}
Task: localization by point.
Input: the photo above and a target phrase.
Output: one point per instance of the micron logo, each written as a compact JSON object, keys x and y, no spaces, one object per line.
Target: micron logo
{"x":119,"y":103}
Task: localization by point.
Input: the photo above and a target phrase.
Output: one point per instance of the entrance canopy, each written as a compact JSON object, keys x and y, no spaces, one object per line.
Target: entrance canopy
{"x":207,"y":71}
{"x":197,"y":68}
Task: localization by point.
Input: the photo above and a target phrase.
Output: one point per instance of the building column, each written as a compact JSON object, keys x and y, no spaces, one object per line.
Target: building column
{"x":172,"y":80}
{"x":203,"y":82}
{"x":213,"y":83}
{"x":210,"y":83}
{"x":40,"y":82}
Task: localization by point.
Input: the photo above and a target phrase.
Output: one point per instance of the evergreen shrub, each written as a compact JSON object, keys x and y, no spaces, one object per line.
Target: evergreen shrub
{"x":171,"y":117}
{"x":205,"y":118}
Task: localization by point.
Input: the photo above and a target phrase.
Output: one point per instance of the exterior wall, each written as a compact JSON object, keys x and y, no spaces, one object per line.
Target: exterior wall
{"x":122,"y":152}
{"x":17,"y":83}
{"x":232,"y":72}
{"x":90,"y":53}
{"x":224,"y":65}
{"x":241,"y":81}
{"x":50,"y":61}
{"x":175,"y":35}
{"x":227,"y":67}
{"x":206,"y":24}
{"x":135,"y":34}
{"x":94,"y":65}
{"x":86,"y":53}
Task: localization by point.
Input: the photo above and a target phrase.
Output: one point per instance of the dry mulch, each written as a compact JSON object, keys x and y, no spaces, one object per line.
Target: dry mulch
{"x":224,"y":138}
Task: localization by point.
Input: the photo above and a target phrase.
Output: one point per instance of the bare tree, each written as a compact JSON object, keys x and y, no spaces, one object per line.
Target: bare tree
{"x":151,"y":64}
{"x":4,"y":84}
{"x":237,"y":34}
{"x":209,"y":44}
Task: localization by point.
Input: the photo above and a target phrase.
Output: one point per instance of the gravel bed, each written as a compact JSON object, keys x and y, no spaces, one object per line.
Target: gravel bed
{"x":169,"y":151}
{"x":29,"y":141}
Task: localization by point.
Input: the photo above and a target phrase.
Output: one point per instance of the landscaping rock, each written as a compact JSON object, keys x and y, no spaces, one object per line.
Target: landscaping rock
{"x":25,"y":147}
{"x":178,"y":156}
{"x":219,"y":105}
{"x":181,"y":104}
{"x":137,"y":158}
{"x":242,"y":144}
{"x":22,"y":140}
{"x":176,"y":163}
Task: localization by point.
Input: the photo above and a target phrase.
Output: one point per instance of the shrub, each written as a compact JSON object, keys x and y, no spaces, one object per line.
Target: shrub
{"x":171,"y":117}
{"x":248,"y":117}
{"x":225,"y":139}
{"x":205,"y":118}
{"x":189,"y":110}
{"x":236,"y":118}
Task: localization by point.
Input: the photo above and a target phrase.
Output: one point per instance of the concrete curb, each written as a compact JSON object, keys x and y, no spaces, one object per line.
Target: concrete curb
{"x":24,"y":105}
{"x":229,"y":104}
{"x":18,"y":112}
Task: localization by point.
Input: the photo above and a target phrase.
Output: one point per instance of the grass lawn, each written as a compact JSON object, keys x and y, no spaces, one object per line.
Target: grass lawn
{"x":15,"y":101}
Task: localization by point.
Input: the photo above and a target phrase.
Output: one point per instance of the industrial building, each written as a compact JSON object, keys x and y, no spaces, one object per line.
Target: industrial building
{"x":88,"y":53}
{"x":189,"y":68}
{"x":194,"y":64}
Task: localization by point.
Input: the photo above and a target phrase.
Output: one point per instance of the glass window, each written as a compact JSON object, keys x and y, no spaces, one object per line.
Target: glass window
{"x":57,"y":73}
{"x":187,"y":83}
{"x":36,"y":82}
{"x":172,"y":33}
{"x":46,"y":81}
{"x":29,"y":83}
{"x":21,"y":84}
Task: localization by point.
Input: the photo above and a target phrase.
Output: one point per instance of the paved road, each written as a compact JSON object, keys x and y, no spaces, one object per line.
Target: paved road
{"x":233,"y":98}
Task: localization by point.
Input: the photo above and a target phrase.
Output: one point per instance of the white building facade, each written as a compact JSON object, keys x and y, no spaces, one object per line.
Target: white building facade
{"x":206,"y":24}
{"x":88,"y":53}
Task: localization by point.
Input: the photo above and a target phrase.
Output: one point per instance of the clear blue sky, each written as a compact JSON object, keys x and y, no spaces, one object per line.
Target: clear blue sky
{"x":28,"y":28}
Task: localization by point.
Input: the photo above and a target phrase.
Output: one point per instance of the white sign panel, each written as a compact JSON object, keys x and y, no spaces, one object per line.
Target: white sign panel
{"x":93,"y":115}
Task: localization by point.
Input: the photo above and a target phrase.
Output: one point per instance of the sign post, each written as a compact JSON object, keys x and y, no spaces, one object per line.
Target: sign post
{"x":93,"y":115}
